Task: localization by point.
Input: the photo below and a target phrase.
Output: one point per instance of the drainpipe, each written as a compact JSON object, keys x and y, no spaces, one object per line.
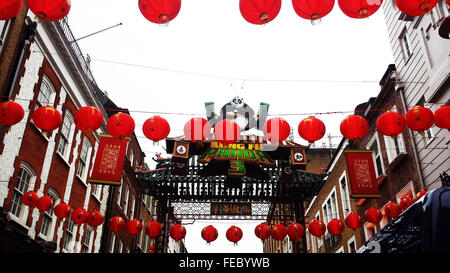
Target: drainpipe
{"x":400,"y":88}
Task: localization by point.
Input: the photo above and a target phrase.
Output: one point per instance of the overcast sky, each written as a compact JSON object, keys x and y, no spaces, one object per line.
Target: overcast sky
{"x":295,"y":67}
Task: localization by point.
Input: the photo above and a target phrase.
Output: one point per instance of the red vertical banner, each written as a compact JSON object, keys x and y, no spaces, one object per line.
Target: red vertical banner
{"x":109,"y":161}
{"x":361,"y":173}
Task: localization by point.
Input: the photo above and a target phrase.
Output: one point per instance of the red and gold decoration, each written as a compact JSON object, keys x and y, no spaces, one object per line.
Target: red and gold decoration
{"x":336,"y":227}
{"x":421,"y":193}
{"x":361,"y":174}
{"x":44,"y":203}
{"x":259,"y":12}
{"x":11,"y":113}
{"x":79,"y":216}
{"x":10,"y":8}
{"x":295,"y":231}
{"x":373,"y":215}
{"x":227,"y":131}
{"x":109,"y":160}
{"x":160,"y":11}
{"x":95,"y":219}
{"x":156,"y":128}
{"x":234,"y":234}
{"x":47,"y":118}
{"x":134,"y":227}
{"x":120,"y":125}
{"x":419,"y":119}
{"x":311,"y":129}
{"x":88,"y":119}
{"x":353,"y":221}
{"x":49,"y":10}
{"x":354,"y":127}
{"x":416,"y":7}
{"x":442,"y":117}
{"x":209,"y":234}
{"x":276,"y":130}
{"x":392,"y":210}
{"x":313,"y":10}
{"x":359,"y":9}
{"x":405,"y":202}
{"x":279,"y":232}
{"x":153,"y":229}
{"x":197,"y":129}
{"x":116,"y":224}
{"x":177,"y":232}
{"x":391,"y":124}
{"x":30,"y":199}
{"x":317,"y":228}
{"x":263,"y":231}
{"x":62,"y":210}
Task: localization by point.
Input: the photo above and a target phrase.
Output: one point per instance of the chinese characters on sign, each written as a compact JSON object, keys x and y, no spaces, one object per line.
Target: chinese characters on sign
{"x":361,"y":174}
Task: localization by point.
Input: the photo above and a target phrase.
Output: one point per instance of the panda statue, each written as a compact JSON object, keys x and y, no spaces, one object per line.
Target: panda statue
{"x":240,"y":112}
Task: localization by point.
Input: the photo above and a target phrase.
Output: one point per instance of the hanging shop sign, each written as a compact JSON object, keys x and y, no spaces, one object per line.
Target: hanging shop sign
{"x":361,"y":172}
{"x":231,"y":209}
{"x":109,"y":160}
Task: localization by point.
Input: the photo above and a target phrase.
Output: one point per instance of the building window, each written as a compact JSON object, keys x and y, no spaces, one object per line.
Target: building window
{"x":87,"y":241}
{"x":45,"y":93}
{"x":374,"y":145}
{"x":351,"y":245}
{"x":120,"y":246}
{"x":345,"y":196}
{"x":330,"y":208}
{"x":119,"y":194}
{"x":23,"y":183}
{"x":3,"y":26}
{"x":64,"y":140}
{"x":47,"y":219}
{"x":319,"y":240}
{"x":113,"y":240}
{"x":133,"y":203}
{"x":406,"y":45}
{"x":96,"y":190}
{"x":131,"y":158}
{"x":125,"y":208}
{"x":69,"y":234}
{"x":428,"y":136}
{"x":84,"y":159}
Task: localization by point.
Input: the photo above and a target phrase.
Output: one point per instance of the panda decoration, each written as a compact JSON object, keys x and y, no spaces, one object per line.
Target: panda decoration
{"x":240,"y":112}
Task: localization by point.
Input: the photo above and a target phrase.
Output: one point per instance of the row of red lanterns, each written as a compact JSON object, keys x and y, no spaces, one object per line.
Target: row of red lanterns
{"x":254,"y":11}
{"x":120,"y":125}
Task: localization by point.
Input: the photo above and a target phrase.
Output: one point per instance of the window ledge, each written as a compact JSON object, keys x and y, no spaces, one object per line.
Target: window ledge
{"x":63,"y":159}
{"x":81,"y":180}
{"x":39,"y":131}
{"x":97,"y":198}
{"x":397,"y":160}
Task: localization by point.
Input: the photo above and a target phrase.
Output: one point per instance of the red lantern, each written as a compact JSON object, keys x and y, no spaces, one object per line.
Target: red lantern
{"x":391,"y":124}
{"x":79,"y":216}
{"x":47,"y":118}
{"x":317,"y":228}
{"x":420,"y":194}
{"x":50,"y":10}
{"x":419,"y":119}
{"x":30,"y":199}
{"x":62,"y":210}
{"x":353,"y":221}
{"x":313,"y":9}
{"x":156,"y":128}
{"x":311,"y":129}
{"x":416,"y":7}
{"x":152,"y":249}
{"x":336,"y":227}
{"x":116,"y":224}
{"x":276,"y":130}
{"x":11,"y":113}
{"x":209,"y":234}
{"x":10,"y":8}
{"x":405,"y":202}
{"x":153,"y":229}
{"x":88,"y":119}
{"x":134,"y":227}
{"x":295,"y":231}
{"x":442,"y":117}
{"x":259,"y":12}
{"x":279,"y":232}
{"x":373,"y":215}
{"x":359,"y":9}
{"x":263,"y":231}
{"x":392,"y":210}
{"x":354,"y":127}
{"x":197,"y":129}
{"x":160,"y":11}
{"x":234,"y":234}
{"x":95,"y":219}
{"x":44,"y":203}
{"x":177,"y":232}
{"x":227,"y":131}
{"x":120,"y":125}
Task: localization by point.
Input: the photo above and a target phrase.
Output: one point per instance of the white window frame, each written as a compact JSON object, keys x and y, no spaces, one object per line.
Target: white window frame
{"x":133,"y":204}
{"x":349,"y":241}
{"x":345,"y":195}
{"x":4,"y":26}
{"x":131,"y":157}
{"x":51,"y":97}
{"x":127,"y":196}
{"x":375,"y":140}
{"x":68,"y":139}
{"x":86,"y":162}
{"x":334,"y":210}
{"x":87,"y":235}
{"x":21,"y":218}
{"x":120,"y":246}
{"x":70,"y":230}
{"x":367,"y":231}
{"x":119,"y":194}
{"x":319,"y":239}
{"x":340,"y":250}
{"x":405,"y":44}
{"x":96,"y":190}
{"x":391,"y":148}
{"x":51,"y":216}
{"x":113,"y":240}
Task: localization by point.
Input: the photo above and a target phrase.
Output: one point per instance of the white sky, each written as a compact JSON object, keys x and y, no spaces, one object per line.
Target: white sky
{"x":211,"y":37}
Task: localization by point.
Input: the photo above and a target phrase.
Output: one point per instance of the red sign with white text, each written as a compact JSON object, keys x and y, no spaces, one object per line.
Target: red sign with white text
{"x":109,"y":161}
{"x":361,"y":173}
